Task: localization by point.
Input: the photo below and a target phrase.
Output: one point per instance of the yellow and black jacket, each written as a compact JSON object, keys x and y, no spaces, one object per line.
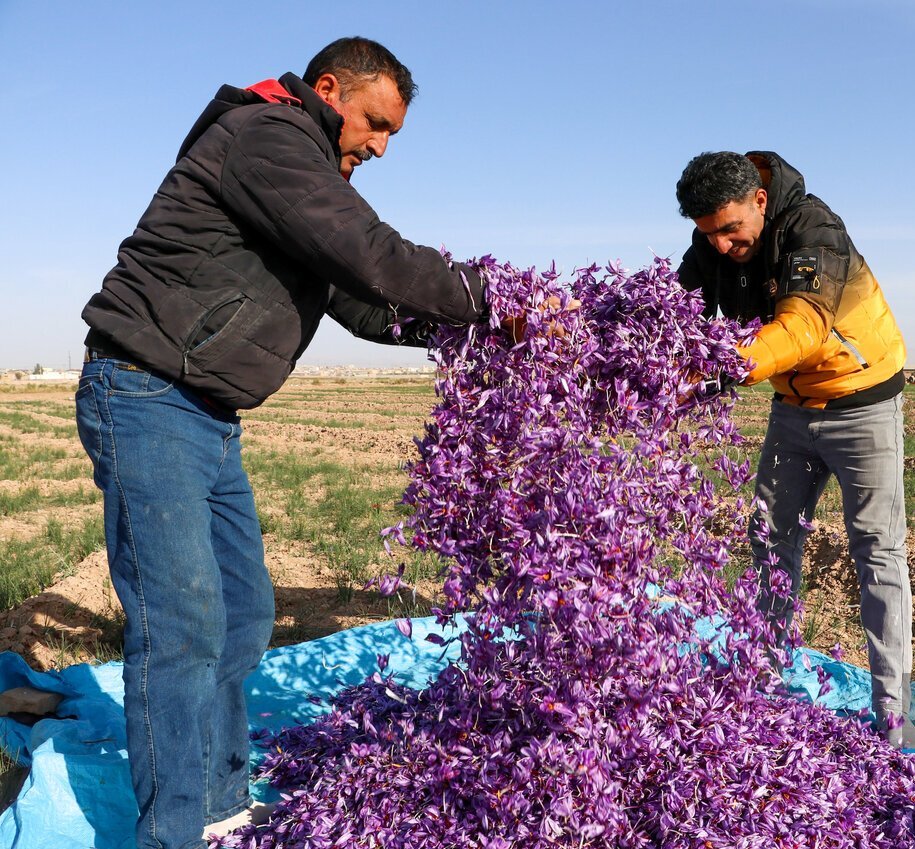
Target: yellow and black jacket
{"x":828,"y":337}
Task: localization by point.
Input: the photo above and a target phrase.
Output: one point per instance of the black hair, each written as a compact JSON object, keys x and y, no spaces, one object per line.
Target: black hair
{"x":354,"y":60}
{"x":712,"y":180}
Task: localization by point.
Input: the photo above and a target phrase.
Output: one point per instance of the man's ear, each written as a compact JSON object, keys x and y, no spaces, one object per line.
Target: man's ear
{"x":762,"y":199}
{"x":327,"y":87}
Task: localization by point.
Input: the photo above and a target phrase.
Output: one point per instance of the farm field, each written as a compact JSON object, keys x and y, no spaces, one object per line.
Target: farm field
{"x":326,"y":460}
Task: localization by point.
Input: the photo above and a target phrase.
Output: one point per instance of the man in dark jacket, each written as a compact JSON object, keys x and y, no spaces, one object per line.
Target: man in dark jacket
{"x":253,"y":236}
{"x":765,"y":249}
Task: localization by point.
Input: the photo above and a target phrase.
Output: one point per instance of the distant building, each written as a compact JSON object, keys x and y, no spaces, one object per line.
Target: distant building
{"x":307,"y":370}
{"x":51,"y":375}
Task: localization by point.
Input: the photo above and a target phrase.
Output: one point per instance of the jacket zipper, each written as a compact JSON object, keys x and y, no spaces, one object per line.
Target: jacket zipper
{"x":199,"y":324}
{"x":854,"y":351}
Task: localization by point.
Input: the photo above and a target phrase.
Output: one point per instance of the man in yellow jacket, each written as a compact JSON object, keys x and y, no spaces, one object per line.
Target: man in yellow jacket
{"x":765,"y":249}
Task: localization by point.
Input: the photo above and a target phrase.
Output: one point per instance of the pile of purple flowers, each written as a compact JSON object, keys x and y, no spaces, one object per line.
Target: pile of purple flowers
{"x":574,"y":483}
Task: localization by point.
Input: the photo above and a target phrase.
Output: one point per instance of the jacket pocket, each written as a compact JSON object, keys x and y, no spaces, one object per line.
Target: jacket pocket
{"x":221,"y":327}
{"x":848,"y":346}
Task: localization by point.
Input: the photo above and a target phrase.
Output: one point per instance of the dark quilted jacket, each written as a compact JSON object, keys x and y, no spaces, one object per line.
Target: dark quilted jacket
{"x":251,"y":238}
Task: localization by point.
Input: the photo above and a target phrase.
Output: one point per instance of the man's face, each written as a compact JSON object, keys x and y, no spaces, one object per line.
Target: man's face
{"x":736,"y":229}
{"x":372,"y":111}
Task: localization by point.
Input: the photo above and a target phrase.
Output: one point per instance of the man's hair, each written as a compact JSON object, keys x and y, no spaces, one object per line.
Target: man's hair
{"x":358,"y":60}
{"x":712,"y":180}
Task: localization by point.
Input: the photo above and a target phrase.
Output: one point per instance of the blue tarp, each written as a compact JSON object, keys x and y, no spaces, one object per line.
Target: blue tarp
{"x":78,"y":793}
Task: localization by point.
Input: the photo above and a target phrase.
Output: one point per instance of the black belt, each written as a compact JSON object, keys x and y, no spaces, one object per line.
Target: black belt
{"x":99,"y":348}
{"x":97,"y":354}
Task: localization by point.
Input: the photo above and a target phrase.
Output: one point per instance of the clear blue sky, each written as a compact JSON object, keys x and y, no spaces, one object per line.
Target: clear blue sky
{"x":542,"y":130}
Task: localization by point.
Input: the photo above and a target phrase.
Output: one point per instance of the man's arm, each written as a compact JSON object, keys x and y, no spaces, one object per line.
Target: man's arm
{"x":813,"y":274}
{"x":279,"y":181}
{"x":795,"y":333}
{"x":376,"y":323}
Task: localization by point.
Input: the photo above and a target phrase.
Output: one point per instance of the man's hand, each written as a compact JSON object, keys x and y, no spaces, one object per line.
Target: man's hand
{"x":707,"y":387}
{"x":716,"y":385}
{"x":517,"y":325}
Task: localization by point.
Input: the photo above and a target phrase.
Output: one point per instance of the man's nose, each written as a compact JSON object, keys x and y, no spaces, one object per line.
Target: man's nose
{"x":722,"y":244}
{"x":378,"y":144}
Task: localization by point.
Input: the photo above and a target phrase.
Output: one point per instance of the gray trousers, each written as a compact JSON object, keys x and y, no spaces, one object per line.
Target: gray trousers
{"x":863,"y":448}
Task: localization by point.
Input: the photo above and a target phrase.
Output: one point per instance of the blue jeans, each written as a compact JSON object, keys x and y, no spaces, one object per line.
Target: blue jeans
{"x":187,"y":562}
{"x":863,"y":448}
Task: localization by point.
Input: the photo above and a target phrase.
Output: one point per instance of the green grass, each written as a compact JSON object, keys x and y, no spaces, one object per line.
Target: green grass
{"x":58,"y":409}
{"x":334,"y":509}
{"x":337,"y":512}
{"x":28,"y":566}
{"x":22,"y":462}
{"x":12,"y":777}
{"x":378,"y":389}
{"x":18,"y":502}
{"x":333,"y":423}
{"x":31,"y":498}
{"x":24,"y":423}
{"x":24,"y":386}
{"x":303,"y":413}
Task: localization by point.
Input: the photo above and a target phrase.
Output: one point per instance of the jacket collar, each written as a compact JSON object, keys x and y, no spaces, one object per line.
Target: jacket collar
{"x":783,"y":183}
{"x":329,"y":121}
{"x":325,"y":116}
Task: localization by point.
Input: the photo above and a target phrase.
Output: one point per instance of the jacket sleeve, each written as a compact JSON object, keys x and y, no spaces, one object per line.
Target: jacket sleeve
{"x":375,"y":323}
{"x":279,"y":181}
{"x":797,"y":331}
{"x":814,"y":270}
